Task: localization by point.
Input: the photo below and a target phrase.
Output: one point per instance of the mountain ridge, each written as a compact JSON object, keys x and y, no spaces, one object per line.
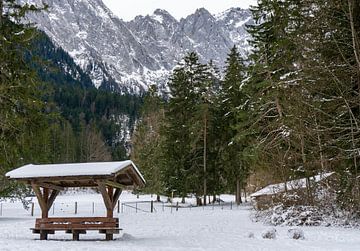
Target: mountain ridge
{"x":128,"y":57}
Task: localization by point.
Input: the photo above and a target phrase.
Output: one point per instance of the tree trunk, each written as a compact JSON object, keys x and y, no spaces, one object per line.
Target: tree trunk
{"x":1,"y":12}
{"x":198,"y":201}
{"x":205,"y":135}
{"x":183,"y":200}
{"x":245,"y":194}
{"x":307,"y":174}
{"x":238,"y":191}
{"x":354,"y":14}
{"x":353,"y":8}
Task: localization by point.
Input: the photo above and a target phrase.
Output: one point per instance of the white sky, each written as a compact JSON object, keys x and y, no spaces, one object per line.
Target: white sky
{"x":127,"y":10}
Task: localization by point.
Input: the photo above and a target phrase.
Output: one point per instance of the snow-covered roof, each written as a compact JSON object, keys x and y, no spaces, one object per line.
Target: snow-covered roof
{"x":72,"y":169}
{"x":290,"y":185}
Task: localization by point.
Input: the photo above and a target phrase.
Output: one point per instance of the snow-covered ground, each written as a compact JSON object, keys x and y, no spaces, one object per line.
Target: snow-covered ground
{"x":219,"y":227}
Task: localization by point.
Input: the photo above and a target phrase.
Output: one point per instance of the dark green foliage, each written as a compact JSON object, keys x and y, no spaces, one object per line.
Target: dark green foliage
{"x":73,"y":95}
{"x":235,"y":117}
{"x":147,"y":143}
{"x":50,"y":111}
{"x":304,"y":80}
{"x":21,"y":109}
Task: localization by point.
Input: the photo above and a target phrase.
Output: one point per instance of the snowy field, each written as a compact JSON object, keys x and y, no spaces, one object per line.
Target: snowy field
{"x":220,"y":227}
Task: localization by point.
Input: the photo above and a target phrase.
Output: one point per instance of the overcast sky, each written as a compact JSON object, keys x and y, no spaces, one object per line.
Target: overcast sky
{"x":127,"y":10}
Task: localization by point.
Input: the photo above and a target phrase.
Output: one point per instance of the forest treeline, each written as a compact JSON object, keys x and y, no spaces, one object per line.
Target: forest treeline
{"x":290,"y":110}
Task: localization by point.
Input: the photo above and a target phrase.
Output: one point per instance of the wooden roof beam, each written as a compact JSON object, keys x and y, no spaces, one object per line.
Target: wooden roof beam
{"x":51,"y":186}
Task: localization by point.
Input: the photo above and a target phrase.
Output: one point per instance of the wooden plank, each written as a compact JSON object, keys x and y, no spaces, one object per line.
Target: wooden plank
{"x":76,"y":226}
{"x":40,"y":197}
{"x":51,"y":200}
{"x":50,"y":186}
{"x":105,"y":195}
{"x":77,"y":219}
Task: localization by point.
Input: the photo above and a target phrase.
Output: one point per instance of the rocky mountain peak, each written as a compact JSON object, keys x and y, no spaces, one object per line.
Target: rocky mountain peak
{"x":130,"y":56}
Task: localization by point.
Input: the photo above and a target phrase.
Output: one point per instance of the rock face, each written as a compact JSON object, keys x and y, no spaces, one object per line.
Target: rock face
{"x":130,"y":56}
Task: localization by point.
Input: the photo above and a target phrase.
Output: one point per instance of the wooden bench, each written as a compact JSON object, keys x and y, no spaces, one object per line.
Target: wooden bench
{"x":76,"y":226}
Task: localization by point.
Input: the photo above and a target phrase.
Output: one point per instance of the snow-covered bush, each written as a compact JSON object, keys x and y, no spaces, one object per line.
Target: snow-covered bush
{"x":296,"y":216}
{"x":281,"y":215}
{"x":295,"y":233}
{"x":269,"y":234}
{"x":296,"y":208}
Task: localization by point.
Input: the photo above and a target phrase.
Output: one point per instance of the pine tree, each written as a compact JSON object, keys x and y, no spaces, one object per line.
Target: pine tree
{"x":20,"y":104}
{"x":186,"y":127}
{"x":147,"y":143}
{"x":274,"y":85}
{"x":234,"y":119}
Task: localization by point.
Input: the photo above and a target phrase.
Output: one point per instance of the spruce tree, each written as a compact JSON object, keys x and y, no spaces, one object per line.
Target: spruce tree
{"x":186,"y":127}
{"x":234,"y":119}
{"x":147,"y":143}
{"x":20,"y":104}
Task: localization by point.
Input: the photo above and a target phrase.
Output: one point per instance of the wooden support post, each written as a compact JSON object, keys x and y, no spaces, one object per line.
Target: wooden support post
{"x":43,"y":235}
{"x":110,"y":210}
{"x":109,"y":237}
{"x":76,"y":235}
{"x":41,"y":198}
{"x":45,"y":201}
{"x":108,"y":198}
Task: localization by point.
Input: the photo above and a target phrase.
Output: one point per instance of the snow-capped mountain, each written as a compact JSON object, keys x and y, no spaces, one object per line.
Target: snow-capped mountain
{"x":130,"y":56}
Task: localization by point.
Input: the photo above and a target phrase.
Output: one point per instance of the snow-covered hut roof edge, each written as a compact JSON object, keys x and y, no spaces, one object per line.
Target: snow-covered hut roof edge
{"x":290,"y":185}
{"x":72,"y":169}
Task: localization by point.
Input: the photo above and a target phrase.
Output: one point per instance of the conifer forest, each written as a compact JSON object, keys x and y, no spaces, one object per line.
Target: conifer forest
{"x":287,"y":110}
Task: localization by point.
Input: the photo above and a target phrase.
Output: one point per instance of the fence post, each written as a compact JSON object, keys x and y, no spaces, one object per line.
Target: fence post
{"x":177,"y":206}
{"x":32,"y":208}
{"x":136,"y":207}
{"x":118,"y":206}
{"x":163,"y":206}
{"x":0,"y":209}
{"x":122,"y":208}
{"x":76,"y":207}
{"x":230,"y":205}
{"x":93,"y":207}
{"x":152,"y":206}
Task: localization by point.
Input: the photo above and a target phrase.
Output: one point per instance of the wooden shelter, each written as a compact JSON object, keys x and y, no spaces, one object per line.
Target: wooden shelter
{"x":48,"y":180}
{"x":273,"y":193}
